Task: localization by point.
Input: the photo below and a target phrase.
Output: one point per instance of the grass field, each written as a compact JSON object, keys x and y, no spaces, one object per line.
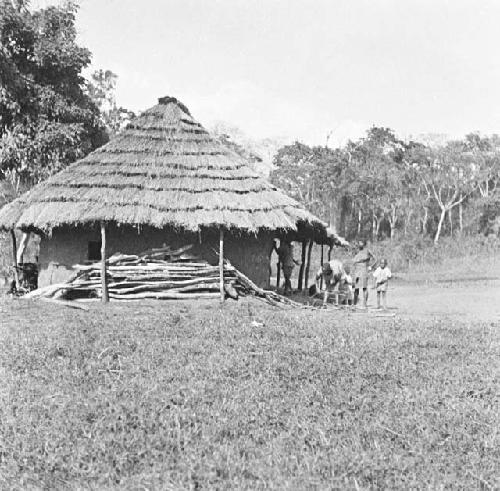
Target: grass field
{"x":179,"y":396}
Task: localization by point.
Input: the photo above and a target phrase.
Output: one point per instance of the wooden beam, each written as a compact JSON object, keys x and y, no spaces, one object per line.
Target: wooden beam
{"x":22,"y":247}
{"x":302,"y":265}
{"x":104,"y":279}
{"x":278,"y":274}
{"x":322,"y":259}
{"x":308,"y":264}
{"x":221,"y":265}
{"x":14,"y":254}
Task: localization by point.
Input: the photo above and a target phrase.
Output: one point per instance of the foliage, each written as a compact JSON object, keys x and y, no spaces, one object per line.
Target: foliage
{"x":192,"y":396}
{"x":380,"y":186}
{"x":101,"y":89}
{"x":46,"y":117}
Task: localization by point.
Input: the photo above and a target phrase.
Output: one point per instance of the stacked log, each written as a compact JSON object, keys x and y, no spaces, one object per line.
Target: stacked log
{"x":157,"y":274}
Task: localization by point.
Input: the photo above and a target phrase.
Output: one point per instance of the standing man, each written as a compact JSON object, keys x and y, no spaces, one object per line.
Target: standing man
{"x":287,"y":262}
{"x":361,"y":263}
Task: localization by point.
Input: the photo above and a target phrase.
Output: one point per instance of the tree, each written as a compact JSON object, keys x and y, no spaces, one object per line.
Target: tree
{"x":448,"y":178}
{"x":378,"y":171}
{"x":47,"y":119}
{"x":101,"y":89}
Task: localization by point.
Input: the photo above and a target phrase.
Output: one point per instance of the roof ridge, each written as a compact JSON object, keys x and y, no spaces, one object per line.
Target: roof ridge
{"x":173,"y":100}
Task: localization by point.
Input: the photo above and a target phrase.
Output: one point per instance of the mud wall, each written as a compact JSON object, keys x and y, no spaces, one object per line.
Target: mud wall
{"x":69,"y":246}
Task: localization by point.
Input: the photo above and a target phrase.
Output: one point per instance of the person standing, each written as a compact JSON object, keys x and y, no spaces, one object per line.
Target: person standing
{"x":287,"y":262}
{"x":361,"y":264}
{"x":382,"y":276}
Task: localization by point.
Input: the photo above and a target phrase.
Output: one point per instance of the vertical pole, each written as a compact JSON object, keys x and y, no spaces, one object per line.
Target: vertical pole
{"x":278,"y":274}
{"x":322,"y":259}
{"x":308,"y":264}
{"x":221,"y":264}
{"x":104,"y":280}
{"x":14,"y":254}
{"x":22,"y":247}
{"x":301,"y":269}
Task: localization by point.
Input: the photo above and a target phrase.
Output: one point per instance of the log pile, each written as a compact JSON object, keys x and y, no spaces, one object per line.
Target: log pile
{"x":157,"y":274}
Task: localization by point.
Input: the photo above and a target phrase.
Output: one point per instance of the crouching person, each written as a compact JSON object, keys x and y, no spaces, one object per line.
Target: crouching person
{"x":333,"y":275}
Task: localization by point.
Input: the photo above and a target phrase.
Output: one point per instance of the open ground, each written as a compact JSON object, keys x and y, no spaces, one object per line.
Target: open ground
{"x":183,"y":396}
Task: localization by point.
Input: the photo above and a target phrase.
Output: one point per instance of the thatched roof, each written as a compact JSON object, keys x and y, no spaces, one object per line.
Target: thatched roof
{"x":163,"y":169}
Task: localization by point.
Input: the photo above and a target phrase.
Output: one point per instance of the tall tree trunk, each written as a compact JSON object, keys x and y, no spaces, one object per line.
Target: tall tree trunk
{"x":407,"y":221}
{"x":360,"y":216}
{"x":374,"y":227}
{"x":393,"y":221}
{"x":392,"y":224}
{"x":461,"y":216}
{"x":332,"y":220}
{"x":450,"y":221}
{"x":440,"y":225}
{"x":425,"y":220}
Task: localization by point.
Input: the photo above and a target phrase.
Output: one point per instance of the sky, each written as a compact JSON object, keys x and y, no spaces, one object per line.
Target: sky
{"x":304,"y":69}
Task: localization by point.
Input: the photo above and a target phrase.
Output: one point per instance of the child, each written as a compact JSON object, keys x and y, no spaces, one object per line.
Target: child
{"x":382,"y":275}
{"x":346,"y":287}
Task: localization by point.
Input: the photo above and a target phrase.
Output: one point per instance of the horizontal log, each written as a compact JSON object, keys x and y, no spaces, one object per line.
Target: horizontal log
{"x":165,"y":295}
{"x":189,"y":288}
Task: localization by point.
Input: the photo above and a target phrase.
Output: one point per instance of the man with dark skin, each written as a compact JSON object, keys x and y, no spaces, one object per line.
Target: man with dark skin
{"x":361,"y":264}
{"x":287,"y":263}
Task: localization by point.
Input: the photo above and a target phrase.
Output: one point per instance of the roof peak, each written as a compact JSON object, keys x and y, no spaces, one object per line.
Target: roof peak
{"x":173,"y":100}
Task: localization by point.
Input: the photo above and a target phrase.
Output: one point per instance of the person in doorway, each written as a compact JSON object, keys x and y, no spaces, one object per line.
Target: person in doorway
{"x":287,"y":263}
{"x":333,"y":275}
{"x":361,"y":264}
{"x":382,"y":276}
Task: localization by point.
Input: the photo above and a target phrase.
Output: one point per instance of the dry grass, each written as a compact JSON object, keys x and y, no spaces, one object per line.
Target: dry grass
{"x":165,"y":169}
{"x":187,"y":397}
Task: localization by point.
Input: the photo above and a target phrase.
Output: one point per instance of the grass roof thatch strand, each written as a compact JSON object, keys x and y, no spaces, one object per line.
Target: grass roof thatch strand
{"x":164,"y":169}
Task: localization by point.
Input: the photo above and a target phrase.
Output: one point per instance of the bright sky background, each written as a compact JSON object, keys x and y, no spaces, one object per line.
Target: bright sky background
{"x":303,"y":68}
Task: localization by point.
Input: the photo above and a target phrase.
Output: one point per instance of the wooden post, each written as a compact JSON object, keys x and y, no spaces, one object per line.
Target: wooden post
{"x":221,"y":264}
{"x":14,"y":254}
{"x":278,"y":274}
{"x":308,"y":264}
{"x":330,"y":252}
{"x":301,"y":270}
{"x":104,"y":279}
{"x":322,"y":259}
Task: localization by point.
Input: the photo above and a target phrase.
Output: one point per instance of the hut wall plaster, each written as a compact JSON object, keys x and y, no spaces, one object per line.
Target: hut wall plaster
{"x":68,"y":246}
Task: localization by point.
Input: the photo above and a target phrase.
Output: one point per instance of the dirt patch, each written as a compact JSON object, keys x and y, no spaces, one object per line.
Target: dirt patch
{"x":464,"y":299}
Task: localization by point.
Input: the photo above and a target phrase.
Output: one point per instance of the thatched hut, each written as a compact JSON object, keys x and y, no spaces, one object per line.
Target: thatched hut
{"x":163,"y":180}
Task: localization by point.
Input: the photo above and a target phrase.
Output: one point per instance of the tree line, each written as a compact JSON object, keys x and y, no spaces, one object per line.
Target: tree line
{"x":378,"y":186}
{"x":383,"y":187}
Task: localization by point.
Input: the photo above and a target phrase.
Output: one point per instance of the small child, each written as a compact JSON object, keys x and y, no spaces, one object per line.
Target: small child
{"x":382,"y":275}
